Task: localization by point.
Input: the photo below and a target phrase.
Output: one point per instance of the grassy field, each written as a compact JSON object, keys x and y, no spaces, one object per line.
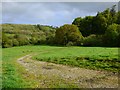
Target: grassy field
{"x":12,"y":72}
{"x":88,"y":57}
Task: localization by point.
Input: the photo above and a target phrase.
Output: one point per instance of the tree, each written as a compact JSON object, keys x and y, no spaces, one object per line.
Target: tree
{"x":118,"y":17}
{"x":99,"y":24}
{"x":15,"y":42}
{"x":112,"y":35}
{"x":22,"y":39}
{"x":106,"y":13}
{"x":77,"y":21}
{"x":113,"y":11}
{"x":6,"y":42}
{"x":113,"y":14}
{"x":68,"y":33}
{"x":84,"y":25}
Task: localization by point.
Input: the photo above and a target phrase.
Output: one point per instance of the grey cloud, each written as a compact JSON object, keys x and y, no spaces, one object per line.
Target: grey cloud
{"x":91,"y":6}
{"x":49,"y":13}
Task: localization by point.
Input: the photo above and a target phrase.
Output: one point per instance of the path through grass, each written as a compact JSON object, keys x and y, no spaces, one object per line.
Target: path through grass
{"x":87,"y":57}
{"x":14,"y":74}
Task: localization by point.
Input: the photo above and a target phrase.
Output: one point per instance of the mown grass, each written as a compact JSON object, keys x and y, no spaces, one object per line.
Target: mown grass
{"x":10,"y":74}
{"x":90,"y":57}
{"x":11,"y":70}
{"x":13,"y":74}
{"x":0,"y":67}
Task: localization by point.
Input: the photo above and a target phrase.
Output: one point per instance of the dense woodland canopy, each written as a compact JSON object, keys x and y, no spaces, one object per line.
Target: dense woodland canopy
{"x":100,"y":30}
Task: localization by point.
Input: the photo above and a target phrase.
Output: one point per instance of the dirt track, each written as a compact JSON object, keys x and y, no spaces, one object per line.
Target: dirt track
{"x":52,"y":75}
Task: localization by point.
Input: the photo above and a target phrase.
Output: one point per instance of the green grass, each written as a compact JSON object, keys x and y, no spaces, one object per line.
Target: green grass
{"x":11,"y":75}
{"x":87,"y":57}
{"x":0,"y":67}
{"x":12,"y":72}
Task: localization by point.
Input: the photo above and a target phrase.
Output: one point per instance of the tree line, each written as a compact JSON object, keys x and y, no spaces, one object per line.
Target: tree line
{"x":21,"y":34}
{"x":100,"y":30}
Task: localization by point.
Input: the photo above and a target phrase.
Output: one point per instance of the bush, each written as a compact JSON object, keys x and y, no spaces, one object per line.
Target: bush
{"x":15,"y":42}
{"x":92,"y":40}
{"x":7,"y":44}
{"x":69,"y":44}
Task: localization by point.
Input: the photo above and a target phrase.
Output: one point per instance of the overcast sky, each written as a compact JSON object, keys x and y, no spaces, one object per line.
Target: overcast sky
{"x":53,"y":13}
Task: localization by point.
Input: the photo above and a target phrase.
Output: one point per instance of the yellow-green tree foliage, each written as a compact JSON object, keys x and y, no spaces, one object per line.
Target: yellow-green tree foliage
{"x":68,"y":33}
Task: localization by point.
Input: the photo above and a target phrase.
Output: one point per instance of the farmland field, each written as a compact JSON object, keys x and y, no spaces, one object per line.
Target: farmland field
{"x":60,"y":45}
{"x":18,"y":73}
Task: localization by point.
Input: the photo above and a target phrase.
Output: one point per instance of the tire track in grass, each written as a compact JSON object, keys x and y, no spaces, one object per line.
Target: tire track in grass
{"x":50,"y":75}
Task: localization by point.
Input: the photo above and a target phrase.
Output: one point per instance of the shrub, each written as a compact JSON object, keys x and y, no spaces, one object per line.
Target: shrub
{"x":69,"y":44}
{"x":92,"y":40}
{"x":15,"y":42}
{"x":7,"y":44}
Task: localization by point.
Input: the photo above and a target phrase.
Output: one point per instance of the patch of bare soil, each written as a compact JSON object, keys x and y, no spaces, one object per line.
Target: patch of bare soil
{"x":55,"y":75}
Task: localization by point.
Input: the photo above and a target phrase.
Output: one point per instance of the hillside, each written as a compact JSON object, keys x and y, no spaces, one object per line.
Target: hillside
{"x":100,"y":30}
{"x":23,"y":34}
